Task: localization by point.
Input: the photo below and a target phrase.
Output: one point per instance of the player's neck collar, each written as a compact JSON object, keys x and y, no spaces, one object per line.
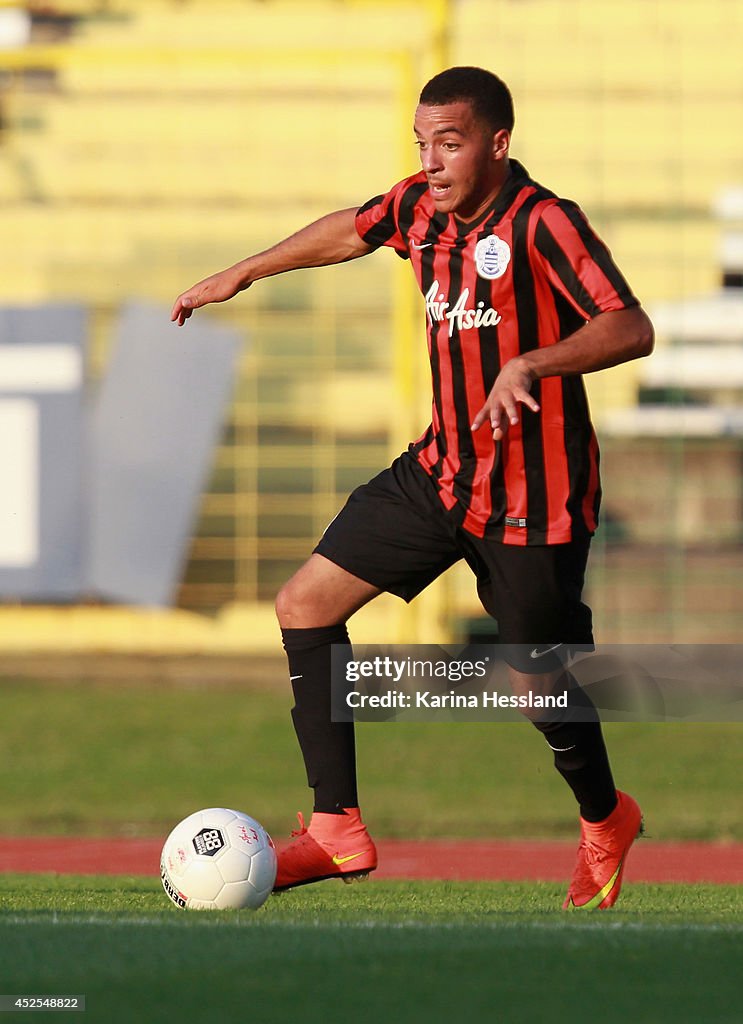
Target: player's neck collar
{"x":501,"y":201}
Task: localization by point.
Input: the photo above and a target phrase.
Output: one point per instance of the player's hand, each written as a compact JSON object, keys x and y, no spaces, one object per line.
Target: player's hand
{"x":512,"y":388}
{"x":217,"y":288}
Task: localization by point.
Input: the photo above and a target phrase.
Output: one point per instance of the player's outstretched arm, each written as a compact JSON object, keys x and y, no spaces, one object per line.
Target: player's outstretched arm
{"x":608,"y":340}
{"x":332,"y":239}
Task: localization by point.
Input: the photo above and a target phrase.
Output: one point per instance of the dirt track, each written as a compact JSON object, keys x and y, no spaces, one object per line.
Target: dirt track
{"x":508,"y":860}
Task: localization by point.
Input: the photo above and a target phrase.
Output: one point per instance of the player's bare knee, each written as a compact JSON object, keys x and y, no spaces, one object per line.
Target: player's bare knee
{"x":537,"y":692}
{"x":289,"y":606}
{"x":299,"y":603}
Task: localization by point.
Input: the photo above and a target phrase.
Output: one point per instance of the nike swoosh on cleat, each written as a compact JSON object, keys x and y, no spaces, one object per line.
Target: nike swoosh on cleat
{"x":344,"y":860}
{"x":602,"y":893}
{"x":292,"y":678}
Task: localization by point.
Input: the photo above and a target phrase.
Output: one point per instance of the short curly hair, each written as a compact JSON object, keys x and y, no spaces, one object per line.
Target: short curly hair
{"x":489,"y":97}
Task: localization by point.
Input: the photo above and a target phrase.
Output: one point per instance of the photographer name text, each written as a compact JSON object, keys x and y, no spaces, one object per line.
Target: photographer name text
{"x":399,"y":699}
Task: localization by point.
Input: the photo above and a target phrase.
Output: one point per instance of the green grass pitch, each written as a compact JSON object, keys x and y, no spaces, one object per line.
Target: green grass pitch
{"x":409,"y":952}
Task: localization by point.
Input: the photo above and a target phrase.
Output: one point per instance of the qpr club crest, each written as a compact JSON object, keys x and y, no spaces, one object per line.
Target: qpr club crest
{"x":492,"y":256}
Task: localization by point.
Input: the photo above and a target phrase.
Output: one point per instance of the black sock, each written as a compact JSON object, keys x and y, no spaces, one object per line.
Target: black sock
{"x":328,"y":747}
{"x":580,"y":754}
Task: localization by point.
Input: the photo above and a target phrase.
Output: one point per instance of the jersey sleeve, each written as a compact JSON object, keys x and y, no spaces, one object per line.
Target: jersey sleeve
{"x":379,"y":222}
{"x":577,"y":263}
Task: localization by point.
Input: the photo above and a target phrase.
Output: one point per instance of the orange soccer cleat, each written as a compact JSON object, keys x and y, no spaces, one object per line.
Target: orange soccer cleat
{"x":334,"y":846}
{"x":602,"y":854}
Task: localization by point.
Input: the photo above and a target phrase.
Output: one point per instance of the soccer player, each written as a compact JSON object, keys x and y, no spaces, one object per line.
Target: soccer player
{"x":521,"y":299}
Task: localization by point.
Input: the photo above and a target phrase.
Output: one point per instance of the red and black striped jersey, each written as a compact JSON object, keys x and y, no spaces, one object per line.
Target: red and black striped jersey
{"x":528,"y":273}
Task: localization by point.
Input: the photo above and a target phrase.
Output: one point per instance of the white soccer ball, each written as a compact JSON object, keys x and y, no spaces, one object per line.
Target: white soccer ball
{"x":218,"y":859}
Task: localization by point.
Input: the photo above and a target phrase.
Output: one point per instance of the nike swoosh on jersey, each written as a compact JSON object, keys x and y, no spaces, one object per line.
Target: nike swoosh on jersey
{"x":421,"y":245}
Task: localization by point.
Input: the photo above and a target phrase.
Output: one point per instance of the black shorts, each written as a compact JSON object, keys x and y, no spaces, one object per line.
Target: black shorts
{"x":395,"y":534}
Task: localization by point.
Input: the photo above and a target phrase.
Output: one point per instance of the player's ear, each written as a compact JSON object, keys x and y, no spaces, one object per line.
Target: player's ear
{"x":501,"y":142}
